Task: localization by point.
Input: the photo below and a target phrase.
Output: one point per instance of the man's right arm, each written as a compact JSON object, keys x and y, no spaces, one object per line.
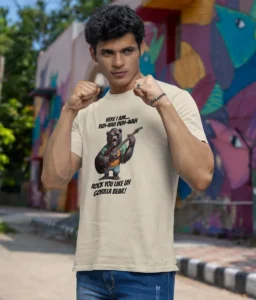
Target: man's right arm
{"x":59,"y":163}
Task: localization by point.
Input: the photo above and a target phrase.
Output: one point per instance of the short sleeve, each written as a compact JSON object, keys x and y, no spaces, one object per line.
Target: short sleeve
{"x":188,"y":111}
{"x":76,"y":139}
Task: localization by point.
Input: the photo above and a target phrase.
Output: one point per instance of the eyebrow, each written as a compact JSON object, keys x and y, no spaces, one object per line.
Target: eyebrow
{"x":122,"y":50}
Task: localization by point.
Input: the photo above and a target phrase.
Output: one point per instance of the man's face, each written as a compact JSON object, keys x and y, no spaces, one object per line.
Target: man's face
{"x":118,"y":60}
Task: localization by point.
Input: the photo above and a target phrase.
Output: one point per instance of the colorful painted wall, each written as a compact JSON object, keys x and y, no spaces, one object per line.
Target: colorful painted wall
{"x":217,"y":65}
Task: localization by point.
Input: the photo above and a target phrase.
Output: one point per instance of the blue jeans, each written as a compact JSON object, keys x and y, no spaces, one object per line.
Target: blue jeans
{"x":119,"y":285}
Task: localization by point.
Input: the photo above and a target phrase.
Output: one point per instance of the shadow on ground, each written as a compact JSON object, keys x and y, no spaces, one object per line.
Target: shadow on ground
{"x":22,"y":242}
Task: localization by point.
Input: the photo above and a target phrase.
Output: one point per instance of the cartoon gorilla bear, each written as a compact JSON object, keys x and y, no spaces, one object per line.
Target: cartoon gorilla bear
{"x":113,"y":154}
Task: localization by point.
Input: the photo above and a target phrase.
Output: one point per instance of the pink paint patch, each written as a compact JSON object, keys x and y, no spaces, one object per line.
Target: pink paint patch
{"x":202,"y":90}
{"x":244,"y":193}
{"x":251,"y":131}
{"x":242,"y":107}
{"x":215,"y":221}
{"x":199,"y":38}
{"x":160,"y":63}
{"x":245,"y":6}
{"x":222,"y":2}
{"x":149,"y":32}
{"x":235,"y":160}
{"x":225,"y":189}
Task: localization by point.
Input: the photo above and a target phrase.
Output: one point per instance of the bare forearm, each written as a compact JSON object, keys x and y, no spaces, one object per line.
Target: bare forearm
{"x":192,"y":158}
{"x":57,"y":157}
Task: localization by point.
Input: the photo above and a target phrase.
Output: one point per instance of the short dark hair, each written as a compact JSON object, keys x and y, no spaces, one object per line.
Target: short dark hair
{"x":111,"y":22}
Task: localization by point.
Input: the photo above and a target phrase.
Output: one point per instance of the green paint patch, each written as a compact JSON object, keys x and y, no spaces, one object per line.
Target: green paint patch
{"x":253,"y":10}
{"x":5,"y":228}
{"x":214,"y":102}
{"x":155,"y":47}
{"x":184,"y":229}
{"x":190,"y":90}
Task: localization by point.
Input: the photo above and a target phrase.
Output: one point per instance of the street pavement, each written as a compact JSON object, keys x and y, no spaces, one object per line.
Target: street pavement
{"x":33,"y":267}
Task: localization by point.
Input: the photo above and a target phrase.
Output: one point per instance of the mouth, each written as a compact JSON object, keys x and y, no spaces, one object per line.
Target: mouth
{"x":119,"y":74}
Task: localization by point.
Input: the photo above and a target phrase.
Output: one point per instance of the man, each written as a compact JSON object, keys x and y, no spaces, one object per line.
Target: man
{"x":132,"y":145}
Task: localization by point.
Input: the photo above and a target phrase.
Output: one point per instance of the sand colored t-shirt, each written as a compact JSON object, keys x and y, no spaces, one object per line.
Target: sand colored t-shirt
{"x":128,"y":187}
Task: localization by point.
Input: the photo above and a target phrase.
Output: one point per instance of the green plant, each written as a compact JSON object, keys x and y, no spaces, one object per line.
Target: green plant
{"x":5,"y":228}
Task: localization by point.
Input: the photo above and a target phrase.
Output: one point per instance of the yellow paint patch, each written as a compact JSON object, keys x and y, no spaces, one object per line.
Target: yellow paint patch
{"x":189,"y":69}
{"x":166,"y":4}
{"x":37,"y":105}
{"x":44,"y":138}
{"x":198,"y":12}
{"x":144,"y":47}
{"x":62,"y":200}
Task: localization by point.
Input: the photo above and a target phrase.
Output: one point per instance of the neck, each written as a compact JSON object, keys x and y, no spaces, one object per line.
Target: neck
{"x":124,"y":88}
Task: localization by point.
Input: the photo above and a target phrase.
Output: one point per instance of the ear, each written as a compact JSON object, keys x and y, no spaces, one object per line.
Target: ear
{"x":107,"y":133}
{"x":142,"y":48}
{"x":93,"y":54}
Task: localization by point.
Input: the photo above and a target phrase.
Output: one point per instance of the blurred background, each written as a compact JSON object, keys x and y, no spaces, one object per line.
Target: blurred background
{"x":207,"y":47}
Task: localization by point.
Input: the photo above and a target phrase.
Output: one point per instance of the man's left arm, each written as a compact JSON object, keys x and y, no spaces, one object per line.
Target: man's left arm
{"x":191,"y":155}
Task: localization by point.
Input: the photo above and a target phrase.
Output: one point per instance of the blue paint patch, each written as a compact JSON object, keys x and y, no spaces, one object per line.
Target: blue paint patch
{"x":104,"y":92}
{"x":56,"y":105}
{"x":146,"y":67}
{"x":244,"y":76}
{"x":221,"y":62}
{"x":216,"y":185}
{"x":76,"y":176}
{"x":36,"y":130}
{"x":54,"y":80}
{"x":183,"y":189}
{"x":238,"y":31}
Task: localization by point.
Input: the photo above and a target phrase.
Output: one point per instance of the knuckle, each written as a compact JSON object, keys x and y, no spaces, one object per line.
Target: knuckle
{"x":81,"y":82}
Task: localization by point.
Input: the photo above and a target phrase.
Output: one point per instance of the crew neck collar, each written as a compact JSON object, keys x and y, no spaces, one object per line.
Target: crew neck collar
{"x":111,"y":96}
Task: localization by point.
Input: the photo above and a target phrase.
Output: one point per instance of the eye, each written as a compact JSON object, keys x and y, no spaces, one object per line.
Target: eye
{"x":236,"y":142}
{"x":127,"y":51}
{"x":105,"y":53}
{"x":240,"y":23}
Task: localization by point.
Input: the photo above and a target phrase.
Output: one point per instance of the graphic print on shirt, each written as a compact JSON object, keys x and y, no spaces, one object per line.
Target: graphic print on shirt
{"x":114,"y":153}
{"x":117,"y":150}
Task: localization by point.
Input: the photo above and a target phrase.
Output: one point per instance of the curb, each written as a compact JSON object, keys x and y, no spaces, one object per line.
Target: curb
{"x":67,"y":230}
{"x":232,"y":279}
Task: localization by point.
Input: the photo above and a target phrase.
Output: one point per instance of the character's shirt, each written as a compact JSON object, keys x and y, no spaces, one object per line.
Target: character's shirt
{"x":119,"y":152}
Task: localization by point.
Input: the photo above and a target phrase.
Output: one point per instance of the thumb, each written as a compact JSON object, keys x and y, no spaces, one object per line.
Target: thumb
{"x":97,"y":91}
{"x":139,"y":93}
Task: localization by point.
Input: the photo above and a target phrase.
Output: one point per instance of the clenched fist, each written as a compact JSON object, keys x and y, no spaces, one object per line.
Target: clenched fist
{"x":149,"y":91}
{"x":83,"y":95}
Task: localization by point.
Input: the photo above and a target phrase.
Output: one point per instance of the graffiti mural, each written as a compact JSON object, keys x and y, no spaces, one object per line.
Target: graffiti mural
{"x":217,"y":65}
{"x":58,"y":69}
{"x":47,"y":112}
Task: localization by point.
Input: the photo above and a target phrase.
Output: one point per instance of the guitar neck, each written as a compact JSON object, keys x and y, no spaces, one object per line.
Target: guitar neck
{"x":126,"y":140}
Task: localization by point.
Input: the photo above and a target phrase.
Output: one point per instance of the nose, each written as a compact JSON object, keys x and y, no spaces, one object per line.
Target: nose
{"x":118,"y":61}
